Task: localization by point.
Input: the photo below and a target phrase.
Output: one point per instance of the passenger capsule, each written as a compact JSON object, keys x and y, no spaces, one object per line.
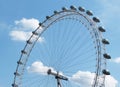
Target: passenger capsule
{"x":35,"y":33}
{"x":107,"y":56}
{"x":55,"y":12}
{"x":19,"y":62}
{"x":16,"y":73}
{"x":105,"y":41}
{"x":49,"y":72}
{"x":40,"y":24}
{"x":81,"y":9}
{"x":29,"y":42}
{"x":14,"y":85}
{"x":72,"y":7}
{"x":89,"y":13}
{"x":64,"y":9}
{"x":105,"y":72}
{"x":47,"y":17}
{"x":95,"y":19}
{"x":101,"y":29}
{"x":24,"y":52}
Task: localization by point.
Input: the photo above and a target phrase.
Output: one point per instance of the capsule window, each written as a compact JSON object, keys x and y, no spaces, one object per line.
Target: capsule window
{"x":95,"y":19}
{"x":14,"y":85}
{"x":73,"y":8}
{"x":89,"y":13}
{"x":64,"y":9}
{"x":29,"y":42}
{"x":105,"y":72}
{"x":19,"y":62}
{"x":24,"y":52}
{"x":107,"y":56}
{"x":81,"y":9}
{"x":35,"y":33}
{"x":55,"y":12}
{"x":16,"y":73}
{"x":105,"y":41}
{"x":101,"y":29}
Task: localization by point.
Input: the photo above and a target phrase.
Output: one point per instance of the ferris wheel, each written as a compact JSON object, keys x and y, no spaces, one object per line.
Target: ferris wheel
{"x":66,"y":50}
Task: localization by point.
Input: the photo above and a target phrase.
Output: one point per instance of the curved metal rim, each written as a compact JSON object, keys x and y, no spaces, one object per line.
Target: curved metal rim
{"x":96,"y":33}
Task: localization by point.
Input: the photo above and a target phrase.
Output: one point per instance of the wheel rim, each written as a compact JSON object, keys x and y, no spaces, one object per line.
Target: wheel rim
{"x":70,"y":42}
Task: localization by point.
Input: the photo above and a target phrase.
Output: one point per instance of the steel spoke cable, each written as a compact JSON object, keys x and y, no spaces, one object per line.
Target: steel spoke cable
{"x":79,"y":55}
{"x":63,"y":50}
{"x":82,"y":42}
{"x":75,"y":64}
{"x":71,"y":43}
{"x":63,"y":43}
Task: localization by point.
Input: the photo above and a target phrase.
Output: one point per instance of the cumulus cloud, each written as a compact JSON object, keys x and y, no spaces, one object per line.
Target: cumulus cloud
{"x":23,"y":28}
{"x":39,"y":68}
{"x":26,"y":24}
{"x":116,"y":60}
{"x":85,"y":79}
{"x":20,"y":35}
{"x":23,"y":36}
{"x":110,"y":81}
{"x":80,"y":78}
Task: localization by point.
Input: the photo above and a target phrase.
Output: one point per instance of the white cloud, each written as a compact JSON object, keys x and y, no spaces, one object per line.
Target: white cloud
{"x":39,"y":68}
{"x":23,"y":36}
{"x":20,"y":35}
{"x":110,"y":81}
{"x":116,"y":60}
{"x":26,"y":24}
{"x":85,"y":79}
{"x":80,"y":78}
{"x":23,"y":28}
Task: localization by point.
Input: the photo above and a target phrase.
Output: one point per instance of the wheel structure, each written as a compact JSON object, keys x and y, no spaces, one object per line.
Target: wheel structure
{"x":66,"y":50}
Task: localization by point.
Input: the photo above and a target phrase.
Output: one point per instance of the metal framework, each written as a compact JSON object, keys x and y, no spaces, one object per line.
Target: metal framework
{"x":90,"y":22}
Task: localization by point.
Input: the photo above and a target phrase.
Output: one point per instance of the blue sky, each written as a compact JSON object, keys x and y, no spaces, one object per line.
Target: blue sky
{"x":13,"y":12}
